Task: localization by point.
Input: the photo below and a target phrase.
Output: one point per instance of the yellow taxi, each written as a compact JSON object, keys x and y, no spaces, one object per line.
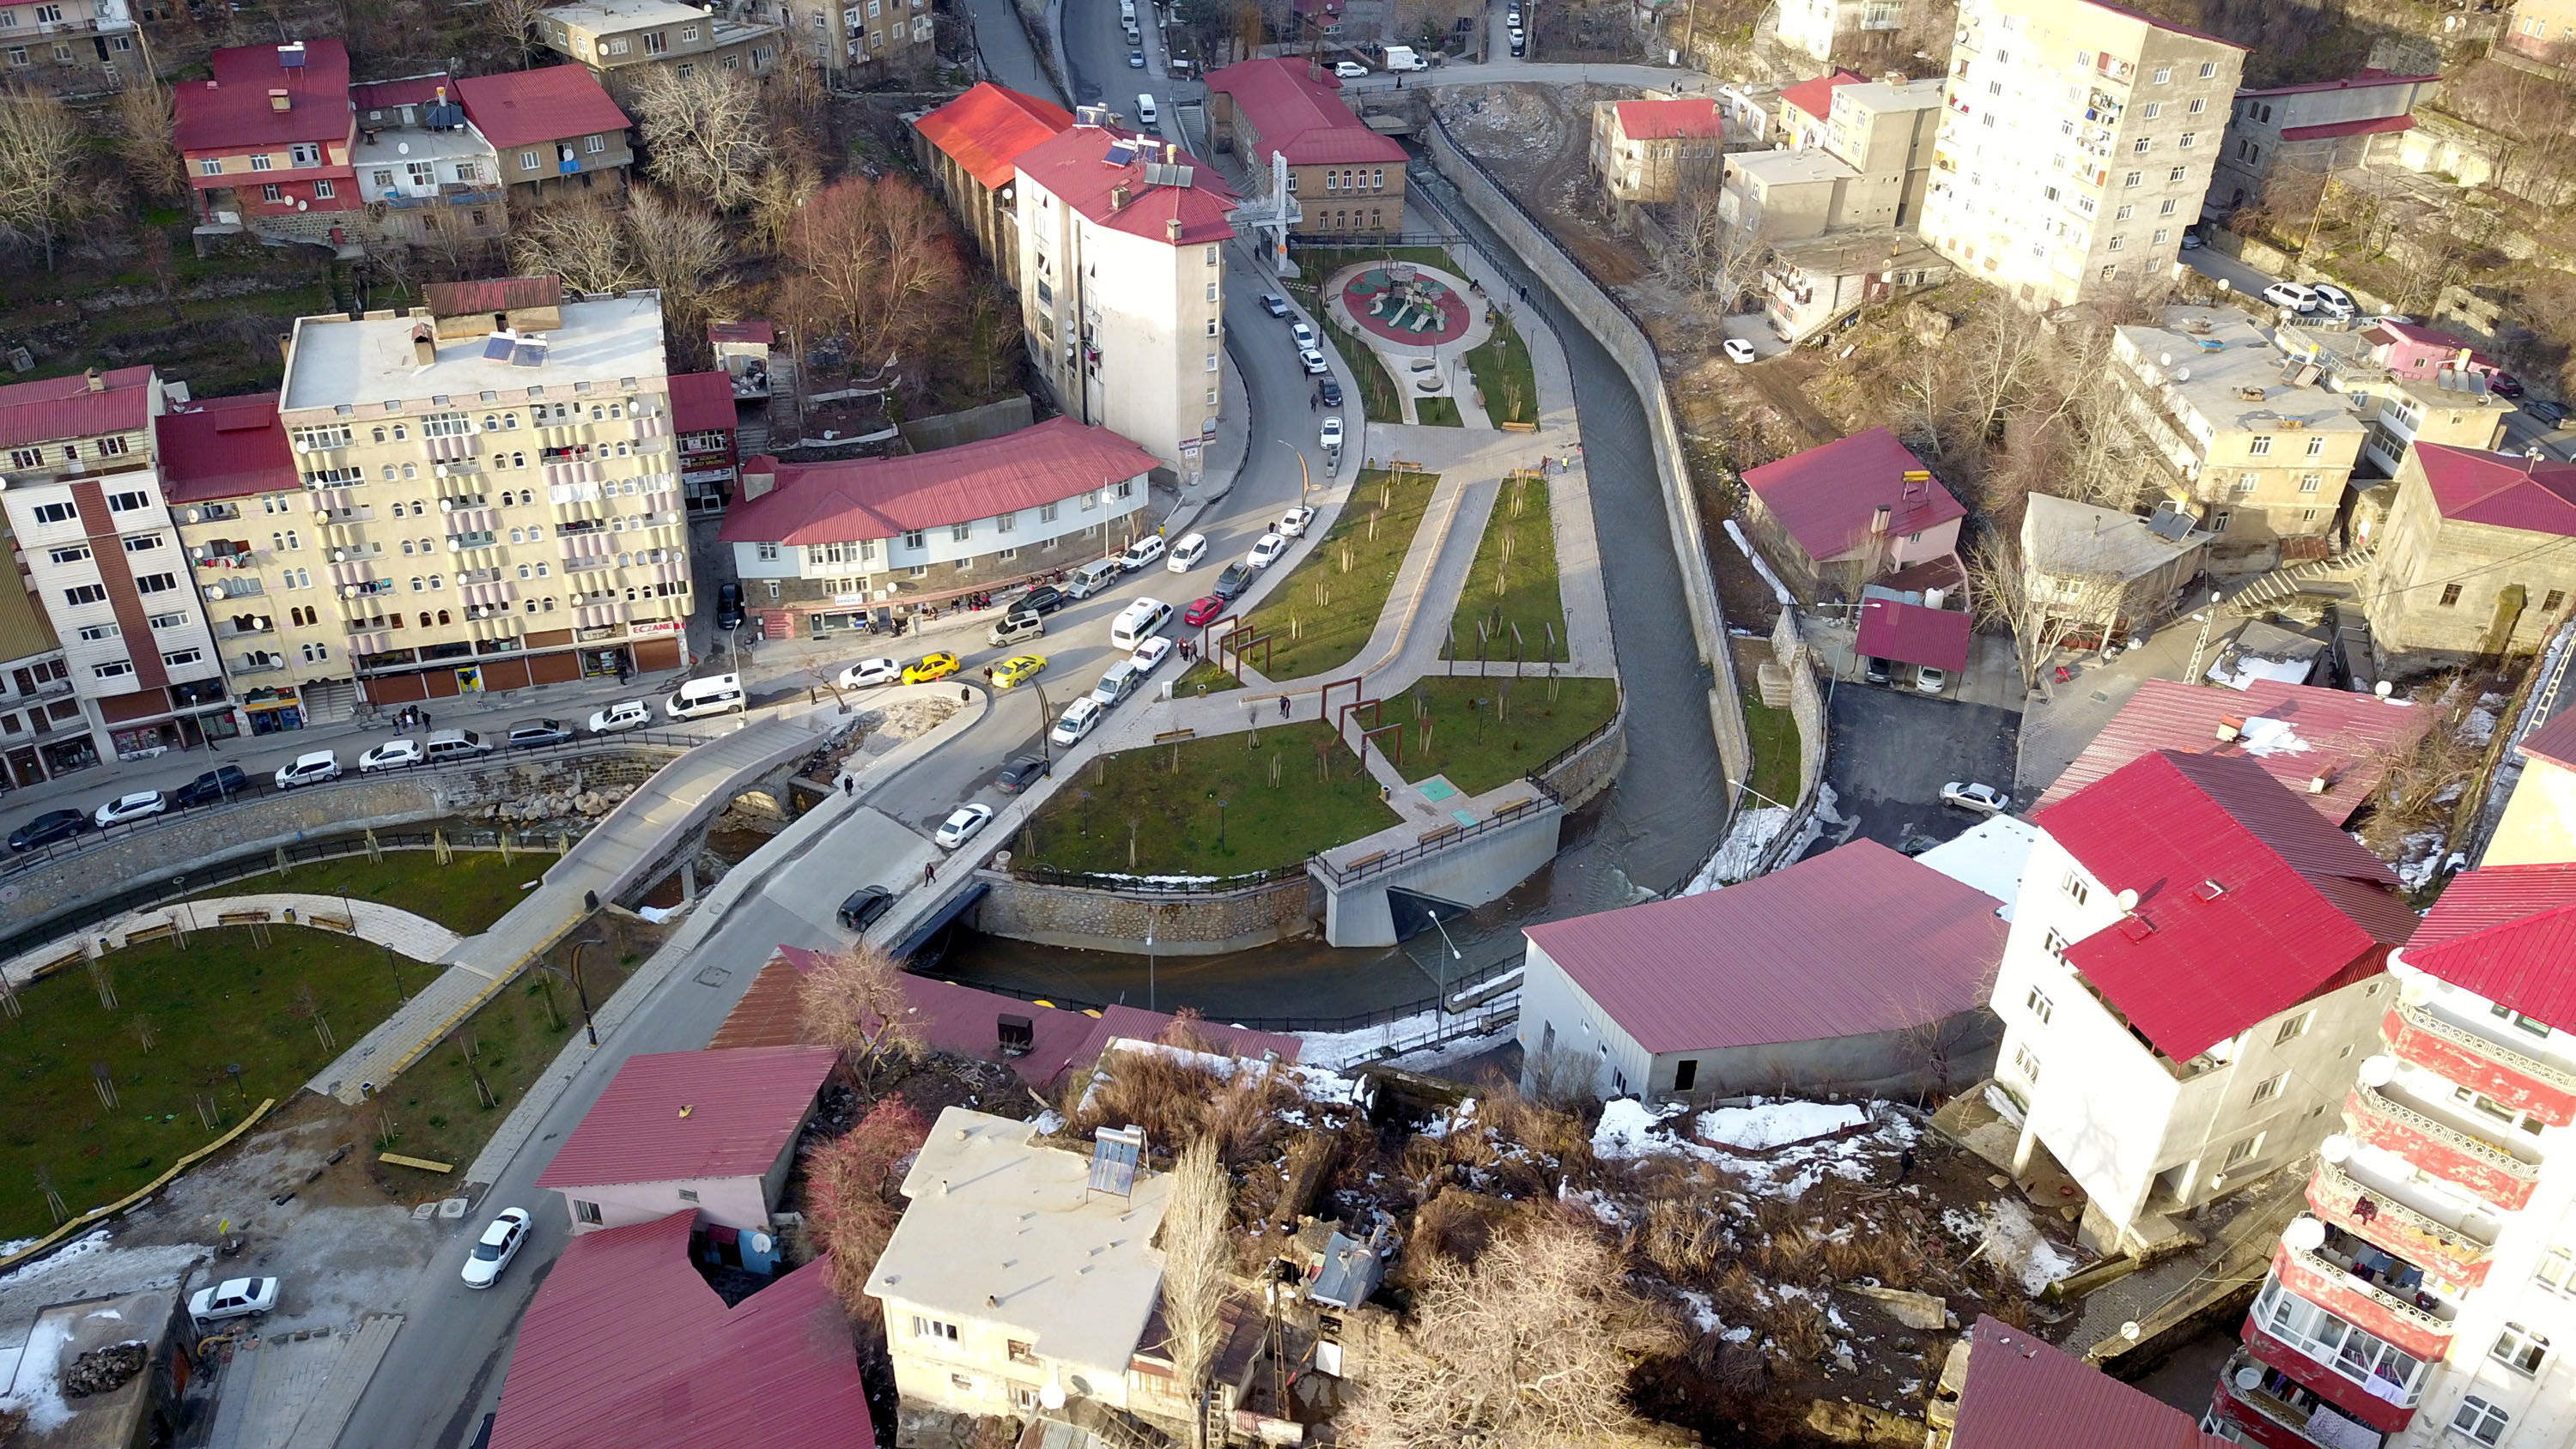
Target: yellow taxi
{"x":929,"y":667}
{"x":1017,"y":670}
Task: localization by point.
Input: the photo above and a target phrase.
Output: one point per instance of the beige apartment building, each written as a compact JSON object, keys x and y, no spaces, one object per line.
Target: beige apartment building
{"x":71,"y":47}
{"x":858,"y":41}
{"x":1867,"y":166}
{"x":614,"y":36}
{"x":2077,"y":145}
{"x":1644,"y":151}
{"x":493,"y":492}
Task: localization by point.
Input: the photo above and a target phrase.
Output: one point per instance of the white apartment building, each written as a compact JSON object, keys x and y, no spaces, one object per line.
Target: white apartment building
{"x":2078,"y":144}
{"x":84,"y":500}
{"x":1122,"y":284}
{"x":1839,"y":32}
{"x":2194,"y":953}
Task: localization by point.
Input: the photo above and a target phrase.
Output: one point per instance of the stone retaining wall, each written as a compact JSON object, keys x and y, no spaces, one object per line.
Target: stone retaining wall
{"x":1594,"y":767}
{"x":1093,"y":919}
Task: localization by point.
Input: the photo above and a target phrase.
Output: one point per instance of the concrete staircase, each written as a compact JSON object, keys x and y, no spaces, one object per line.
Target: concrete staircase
{"x":2289,"y":581}
{"x":330,"y":702}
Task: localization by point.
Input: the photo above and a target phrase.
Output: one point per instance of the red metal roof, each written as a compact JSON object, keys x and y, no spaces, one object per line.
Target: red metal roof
{"x":2554,"y":741}
{"x":760,"y":332}
{"x":2294,"y":731}
{"x":1692,"y":117}
{"x":882,"y":497}
{"x":1827,"y":497}
{"x":2397,"y":329}
{"x":2248,"y":902}
{"x":1785,"y":957}
{"x":527,"y":107}
{"x":2367,"y":80}
{"x":2506,"y":932}
{"x":1302,"y":114}
{"x":59,"y":408}
{"x":986,"y":129}
{"x":683,"y":1116}
{"x":1074,"y":168}
{"x":1913,"y":634}
{"x":224,"y":447}
{"x":1816,"y":97}
{"x":2502,"y":490}
{"x":766,"y":1014}
{"x":2368,"y":126}
{"x":414,"y":90}
{"x":492,"y":294}
{"x":2021,"y":1393}
{"x":702,"y":402}
{"x":625,"y":1344}
{"x":232,"y":113}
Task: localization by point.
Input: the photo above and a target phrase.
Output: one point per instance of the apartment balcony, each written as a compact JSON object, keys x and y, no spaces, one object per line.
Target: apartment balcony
{"x":2490,"y":1062}
{"x":2270,"y":1408}
{"x":2369,"y":1289}
{"x":2438,"y":1141}
{"x":2365,"y":1378}
{"x":232,"y":586}
{"x":246,"y":665}
{"x":249,"y":626}
{"x":2378,"y":1217}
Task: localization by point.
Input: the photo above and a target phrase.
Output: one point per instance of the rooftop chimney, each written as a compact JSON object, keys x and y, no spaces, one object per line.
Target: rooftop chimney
{"x":1172,"y":229}
{"x":424,"y":344}
{"x":96,"y":382}
{"x":1118,"y":197}
{"x":279,"y":100}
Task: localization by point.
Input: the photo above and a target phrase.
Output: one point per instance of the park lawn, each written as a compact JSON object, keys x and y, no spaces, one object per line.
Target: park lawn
{"x":466,"y":896}
{"x":1321,"y":263}
{"x":1321,"y":616}
{"x":1774,"y":734}
{"x":1438,"y":412}
{"x":1501,"y":365}
{"x":1527,"y":597}
{"x":1206,"y":677}
{"x":221,"y":1001}
{"x":1474,"y":747}
{"x":1380,"y":402}
{"x":1175,"y":816}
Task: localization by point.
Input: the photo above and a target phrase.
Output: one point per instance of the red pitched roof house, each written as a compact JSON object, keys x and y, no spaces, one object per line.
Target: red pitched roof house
{"x":1806,"y":106}
{"x":1289,"y":107}
{"x":1834,"y":518}
{"x":267,"y":142}
{"x":2019,"y":1392}
{"x":971,"y":147}
{"x":714,"y":1130}
{"x":1821,"y":972}
{"x":1912,"y":634}
{"x":224,"y":447}
{"x":555,"y":128}
{"x":1642,"y":150}
{"x":2508,"y":933}
{"x":706,"y":420}
{"x":2299,"y":734}
{"x":2477,"y":556}
{"x":626,"y":1343}
{"x":2193,"y":949}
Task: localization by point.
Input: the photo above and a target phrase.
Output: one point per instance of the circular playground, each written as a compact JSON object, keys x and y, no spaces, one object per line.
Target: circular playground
{"x":1404,"y":307}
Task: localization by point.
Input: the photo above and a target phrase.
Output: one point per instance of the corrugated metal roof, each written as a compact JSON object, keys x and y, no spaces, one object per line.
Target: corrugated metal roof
{"x":2292,"y":730}
{"x":2554,"y":741}
{"x":494,"y":294}
{"x":1827,"y":497}
{"x":1816,"y":97}
{"x":703,"y":402}
{"x":2503,"y":490}
{"x":2248,"y":902}
{"x":1683,"y":117}
{"x":2022,"y":1393}
{"x":1074,"y":167}
{"x":64,"y":407}
{"x":530,"y":107}
{"x":626,"y":1345}
{"x":681,"y":1116}
{"x":1913,"y":634}
{"x":882,"y":497}
{"x":224,"y":447}
{"x":410,"y":90}
{"x":987,"y":128}
{"x":232,"y":113}
{"x":1295,"y":110}
{"x":2508,"y":933}
{"x":1786,"y":957}
{"x":768,"y":1013}
{"x":2331,"y":130}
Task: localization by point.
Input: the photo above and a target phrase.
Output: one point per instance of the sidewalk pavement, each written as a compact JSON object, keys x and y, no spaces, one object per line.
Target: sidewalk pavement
{"x":378,"y":924}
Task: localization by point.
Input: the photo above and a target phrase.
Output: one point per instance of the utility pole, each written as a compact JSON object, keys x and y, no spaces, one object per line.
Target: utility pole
{"x":2206,"y":617}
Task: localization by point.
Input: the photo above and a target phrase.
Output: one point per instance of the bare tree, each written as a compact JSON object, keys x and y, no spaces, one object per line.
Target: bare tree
{"x":854,"y":1000}
{"x":515,"y":22}
{"x":1198,"y":1270}
{"x":41,"y":187}
{"x":2039,"y":607}
{"x":785,"y":188}
{"x":705,"y":132}
{"x":1707,"y":257}
{"x":879,"y":266}
{"x":681,"y":250}
{"x":853,"y":1184}
{"x":144,"y":131}
{"x":582,"y":241}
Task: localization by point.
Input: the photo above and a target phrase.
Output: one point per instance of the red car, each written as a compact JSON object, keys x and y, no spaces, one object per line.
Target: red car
{"x":1203,"y":611}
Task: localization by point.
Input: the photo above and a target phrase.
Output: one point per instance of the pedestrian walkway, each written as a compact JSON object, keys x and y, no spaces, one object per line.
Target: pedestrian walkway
{"x":417,"y":937}
{"x":296,"y":1391}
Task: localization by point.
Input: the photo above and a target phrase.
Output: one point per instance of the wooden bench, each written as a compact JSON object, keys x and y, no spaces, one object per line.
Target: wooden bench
{"x":342,"y":924}
{"x":422,"y":1163}
{"x":242,"y":918}
{"x":1168,"y":736}
{"x":150,"y":933}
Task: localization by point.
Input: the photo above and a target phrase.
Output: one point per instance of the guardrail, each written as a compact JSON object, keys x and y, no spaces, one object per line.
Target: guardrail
{"x":1455,"y":985}
{"x":1154,"y":885}
{"x":1386,"y":860}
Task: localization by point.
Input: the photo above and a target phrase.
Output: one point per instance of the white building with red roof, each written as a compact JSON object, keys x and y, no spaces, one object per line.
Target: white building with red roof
{"x":2006,"y":1388}
{"x":267,"y":142}
{"x":1122,"y":284}
{"x":836,"y":541}
{"x":2314,"y":129}
{"x":1778,"y":979}
{"x":2194,"y":952}
{"x":555,"y":131}
{"x":712,"y":1132}
{"x":1347,"y":178}
{"x":2477,"y":556}
{"x":1851,"y":512}
{"x":971,"y":147}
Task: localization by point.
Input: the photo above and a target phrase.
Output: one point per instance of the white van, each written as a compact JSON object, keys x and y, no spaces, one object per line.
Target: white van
{"x":1142,"y":553}
{"x":1126,"y":9}
{"x":1117,"y":684}
{"x":1145,"y":112}
{"x":1091,"y":578}
{"x":1186,"y":554}
{"x":715,"y":694}
{"x":1138,"y":621}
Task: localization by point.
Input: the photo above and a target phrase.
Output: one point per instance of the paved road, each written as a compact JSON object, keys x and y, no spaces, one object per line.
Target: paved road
{"x":1890,"y":750}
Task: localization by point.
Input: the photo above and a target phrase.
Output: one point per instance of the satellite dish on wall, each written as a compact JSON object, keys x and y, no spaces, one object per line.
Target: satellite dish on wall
{"x":2249,"y":1378}
{"x":2126,"y":900}
{"x":2336,"y":1149}
{"x":2304,"y":1233}
{"x":1051,"y":1395}
{"x":2376,"y":1071}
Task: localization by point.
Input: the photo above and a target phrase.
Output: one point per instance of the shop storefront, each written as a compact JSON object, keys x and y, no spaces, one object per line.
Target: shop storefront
{"x":274,"y":710}
{"x":187,"y":732}
{"x":63,"y":756}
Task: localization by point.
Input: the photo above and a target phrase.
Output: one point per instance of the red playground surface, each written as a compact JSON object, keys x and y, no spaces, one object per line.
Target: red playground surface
{"x":1403,"y":304}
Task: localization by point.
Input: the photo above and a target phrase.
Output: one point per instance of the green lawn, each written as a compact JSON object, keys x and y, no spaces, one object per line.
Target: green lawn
{"x":1503,"y":374}
{"x":1380,"y":402}
{"x":1487,"y":731}
{"x":1512,"y":584}
{"x":1775,"y":751}
{"x":1207,"y":677}
{"x":1438,"y":412}
{"x":1322,"y":615}
{"x":1174,"y":817}
{"x":224,"y":1000}
{"x":466,"y":896}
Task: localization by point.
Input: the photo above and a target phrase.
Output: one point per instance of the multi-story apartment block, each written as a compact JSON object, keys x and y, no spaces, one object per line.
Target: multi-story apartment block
{"x":1644,"y":151}
{"x":2541,"y":30}
{"x":858,"y":41}
{"x":615,"y":36}
{"x":971,"y":149}
{"x":2428,"y":1296}
{"x":2452,"y":410}
{"x":42,"y":730}
{"x":2077,"y":145}
{"x":1867,"y":165}
{"x":1122,"y":284}
{"x":1347,"y":178}
{"x":2194,"y":951}
{"x":2312,"y":131}
{"x":494,"y":494}
{"x":551,"y":131}
{"x":85,"y":503}
{"x":426,"y":172}
{"x":1840,"y":32}
{"x":2243,"y":436}
{"x":707,"y":418}
{"x":72,"y":47}
{"x":268,"y":142}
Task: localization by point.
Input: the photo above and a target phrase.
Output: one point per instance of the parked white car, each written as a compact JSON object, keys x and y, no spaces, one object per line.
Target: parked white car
{"x":1294,"y":522}
{"x":869,"y":673}
{"x":1266,"y":551}
{"x":392,"y":755}
{"x":1349,"y":69}
{"x":1080,"y":718}
{"x":140,"y":805}
{"x":309,"y":769}
{"x":1313,"y":361}
{"x":2334,"y":301}
{"x":618,"y":718}
{"x":1186,"y":554}
{"x":961,"y":825}
{"x":1301,"y":334}
{"x":1984,"y":799}
{"x":2291,"y":295}
{"x":233,"y":1298}
{"x":498,"y":1245}
{"x":1149,"y":656}
{"x":1332,"y":434}
{"x":1739,"y":351}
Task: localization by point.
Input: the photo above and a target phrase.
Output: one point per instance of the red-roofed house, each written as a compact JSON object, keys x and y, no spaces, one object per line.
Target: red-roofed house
{"x":1642,"y":150}
{"x":555,"y":130}
{"x":1904,"y":633}
{"x":833,"y":541}
{"x":1122,"y":285}
{"x":626,"y":1343}
{"x":1348,"y":179}
{"x":2539,"y":821}
{"x":705,"y":417}
{"x":2016,"y":1391}
{"x":267,"y":142}
{"x":2421,"y":354}
{"x":2478,"y":555}
{"x":1804,"y":107}
{"x":1779,"y":979}
{"x":713,"y":1131}
{"x":2315,"y":129}
{"x":2331,"y":747}
{"x":971,"y":148}
{"x":2193,"y":953}
{"x":1834,"y":518}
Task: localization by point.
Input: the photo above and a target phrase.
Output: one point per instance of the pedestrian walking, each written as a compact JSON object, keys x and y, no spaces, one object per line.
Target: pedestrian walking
{"x":849,"y":786}
{"x":929,"y":871}
{"x":1283,"y":706}
{"x":1905,"y":1164}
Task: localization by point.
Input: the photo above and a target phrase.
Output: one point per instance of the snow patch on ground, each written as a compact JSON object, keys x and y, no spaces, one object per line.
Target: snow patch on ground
{"x":2418,"y":856}
{"x":1741,"y":850}
{"x":1629,"y":1128}
{"x":1776,"y":1124}
{"x":2004,"y":1231}
{"x":1779,"y":590}
{"x":1342,"y":1050}
{"x":2480,"y":725}
{"x":42,"y":1399}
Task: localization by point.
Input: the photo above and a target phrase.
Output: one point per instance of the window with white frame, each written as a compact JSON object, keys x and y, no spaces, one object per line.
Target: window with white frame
{"x":2269,"y":1088}
{"x":2480,"y":1420}
{"x":2243,"y":1151}
{"x":923,"y":1327}
{"x":2055,"y":944}
{"x":2556,"y":1271}
{"x":2075,"y":888}
{"x":2294,"y":1028}
{"x":2520,"y":1349}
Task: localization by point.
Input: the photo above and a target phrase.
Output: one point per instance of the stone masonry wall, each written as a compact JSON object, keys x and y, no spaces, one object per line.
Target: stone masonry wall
{"x":1110,"y":920}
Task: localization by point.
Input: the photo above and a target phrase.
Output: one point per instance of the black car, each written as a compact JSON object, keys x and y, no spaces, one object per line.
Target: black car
{"x":1231,"y":584}
{"x":212,"y":786}
{"x":47,"y":828}
{"x":1045,"y":599}
{"x":1021,"y":773}
{"x":1332,"y":393}
{"x":863,"y":907}
{"x":2548,"y":412}
{"x":729,"y":606}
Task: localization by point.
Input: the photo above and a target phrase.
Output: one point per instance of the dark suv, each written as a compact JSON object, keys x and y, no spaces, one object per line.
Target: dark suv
{"x":861,"y":909}
{"x":1044,"y":599}
{"x":1231,"y":584}
{"x":729,"y":606}
{"x":212,"y":786}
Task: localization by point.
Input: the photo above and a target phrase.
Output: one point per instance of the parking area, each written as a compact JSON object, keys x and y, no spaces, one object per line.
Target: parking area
{"x":1891,"y":752}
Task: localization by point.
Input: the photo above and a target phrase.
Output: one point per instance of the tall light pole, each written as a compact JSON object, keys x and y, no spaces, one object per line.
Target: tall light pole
{"x":1305,"y":479}
{"x":1440,"y":974}
{"x":2206,"y":617}
{"x":581,"y":992}
{"x":1150,"y":914}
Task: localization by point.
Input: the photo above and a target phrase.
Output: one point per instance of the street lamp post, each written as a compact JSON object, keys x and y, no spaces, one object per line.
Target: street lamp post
{"x":1440,"y":978}
{"x":1149,"y":961}
{"x":580,"y":992}
{"x":1305,"y":479}
{"x":1046,"y":747}
{"x":2206,"y":617}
